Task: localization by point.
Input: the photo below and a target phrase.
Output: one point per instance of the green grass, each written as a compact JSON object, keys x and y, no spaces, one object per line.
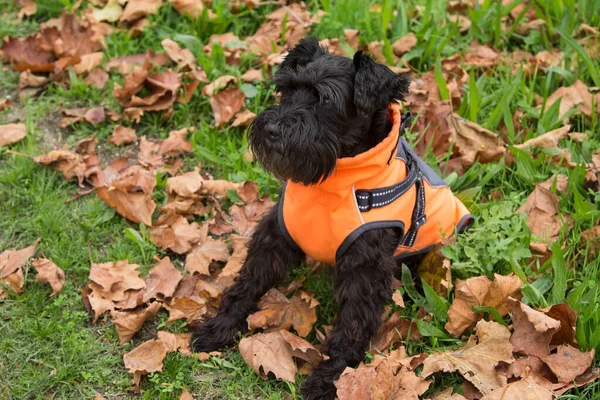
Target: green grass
{"x":48,"y":347}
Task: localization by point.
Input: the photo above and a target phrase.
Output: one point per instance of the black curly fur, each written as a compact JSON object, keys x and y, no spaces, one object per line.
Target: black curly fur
{"x":331,"y":107}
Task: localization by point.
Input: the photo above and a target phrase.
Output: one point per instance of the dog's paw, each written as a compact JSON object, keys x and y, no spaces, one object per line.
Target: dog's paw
{"x":215,"y":334}
{"x":318,"y":387}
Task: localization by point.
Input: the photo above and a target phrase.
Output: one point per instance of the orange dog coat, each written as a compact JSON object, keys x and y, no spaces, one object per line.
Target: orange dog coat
{"x":372,"y":190}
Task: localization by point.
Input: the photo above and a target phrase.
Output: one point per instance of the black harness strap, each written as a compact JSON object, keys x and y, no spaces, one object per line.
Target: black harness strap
{"x":375,"y":198}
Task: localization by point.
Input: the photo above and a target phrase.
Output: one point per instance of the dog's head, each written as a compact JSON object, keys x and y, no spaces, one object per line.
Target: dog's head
{"x":328,"y":108}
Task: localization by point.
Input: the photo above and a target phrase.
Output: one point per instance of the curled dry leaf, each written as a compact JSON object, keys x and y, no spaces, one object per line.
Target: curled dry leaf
{"x":23,"y":55}
{"x":182,"y":57}
{"x":185,"y":185}
{"x":94,"y":302}
{"x":127,"y":323}
{"x":122,"y":135}
{"x":5,"y":104}
{"x":12,"y":260}
{"x":111,"y":12}
{"x":548,"y":139}
{"x":12,"y":133}
{"x":175,"y":341}
{"x":71,"y":37}
{"x":390,"y":377}
{"x":525,"y":389}
{"x":576,"y":95}
{"x":149,"y":155}
{"x":477,"y":360}
{"x":435,"y":270}
{"x":569,"y":362}
{"x":14,"y":282}
{"x":243,"y":118}
{"x":146,"y":358}
{"x":110,"y":280}
{"x":533,"y":330}
{"x":176,"y":144}
{"x":29,"y":80}
{"x":49,"y":272}
{"x":191,"y":308}
{"x":447,"y":395}
{"x":126,"y":64}
{"x":274,"y":352}
{"x":404,"y":44}
{"x":394,"y":328}
{"x":176,"y":233}
{"x":136,"y":9}
{"x":26,"y":8}
{"x":162,"y":279}
{"x":278,"y":312}
{"x":252,"y":75}
{"x":92,"y":115}
{"x":201,"y":256}
{"x":193,"y":8}
{"x":541,"y":208}
{"x":88,"y":63}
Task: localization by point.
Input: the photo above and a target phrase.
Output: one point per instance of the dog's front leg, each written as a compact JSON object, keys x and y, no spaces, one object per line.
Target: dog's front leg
{"x":363,"y":278}
{"x":269,"y":254}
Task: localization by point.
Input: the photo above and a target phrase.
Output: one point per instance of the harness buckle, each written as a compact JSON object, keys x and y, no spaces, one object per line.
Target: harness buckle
{"x":420,"y":221}
{"x":364,"y":200}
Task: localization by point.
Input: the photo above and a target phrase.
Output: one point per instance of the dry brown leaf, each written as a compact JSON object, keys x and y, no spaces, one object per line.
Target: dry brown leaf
{"x":127,"y":323}
{"x":14,"y":282}
{"x":12,"y":260}
{"x":548,"y":139}
{"x":476,"y":361}
{"x":97,"y":78}
{"x":481,"y":56}
{"x":193,"y":8}
{"x":541,"y":208}
{"x":12,"y":133}
{"x":525,"y":389}
{"x":126,"y":64}
{"x":24,"y":54}
{"x":185,"y":185}
{"x":404,"y":44}
{"x":568,"y":320}
{"x":92,"y":115}
{"x":176,"y":144}
{"x":447,"y":395}
{"x":149,"y":155}
{"x":131,"y":194}
{"x":122,"y":135}
{"x":71,"y":37}
{"x":474,"y":143}
{"x":218,"y":84}
{"x":569,"y":362}
{"x":201,"y":256}
{"x":162,"y":279}
{"x":391,"y":377}
{"x":136,"y":9}
{"x":278,"y":312}
{"x":112,"y":279}
{"x":524,"y":28}
{"x":94,"y":302}
{"x":49,"y":272}
{"x":469,"y":293}
{"x":176,"y":233}
{"x":576,"y":95}
{"x":533,"y":330}
{"x":252,"y":75}
{"x":191,"y":308}
{"x":182,"y":57}
{"x":29,"y":80}
{"x":145,"y":358}
{"x":5,"y":104}
{"x":274,"y":352}
{"x":88,"y":63}
{"x":243,"y":118}
{"x":26,"y":8}
{"x":394,"y":328}
{"x":435,"y":269}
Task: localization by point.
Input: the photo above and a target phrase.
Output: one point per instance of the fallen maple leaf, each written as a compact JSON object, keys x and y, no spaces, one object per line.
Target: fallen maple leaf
{"x":202,"y":255}
{"x":274,"y":352}
{"x":126,"y":64}
{"x":122,"y":135}
{"x":569,"y":362}
{"x":92,"y":115}
{"x":29,"y":80}
{"x":191,"y":308}
{"x":193,"y":8}
{"x":476,"y":361}
{"x":174,"y":232}
{"x":390,"y":377}
{"x":94,"y":303}
{"x":110,"y":280}
{"x":184,"y":58}
{"x":88,"y":63}
{"x":13,"y":260}
{"x":533,"y":330}
{"x":49,"y":272}
{"x":145,"y":358}
{"x":26,"y":8}
{"x":525,"y":389}
{"x":127,"y":323}
{"x":278,"y":312}
{"x":23,"y":54}
{"x":176,"y":144}
{"x":548,"y":139}
{"x":394,"y":328}
{"x":243,"y":118}
{"x":162,"y":279}
{"x":12,"y":133}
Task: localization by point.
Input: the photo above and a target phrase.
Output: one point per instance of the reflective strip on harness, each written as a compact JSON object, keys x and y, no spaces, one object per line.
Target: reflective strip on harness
{"x":368,"y":199}
{"x":418,"y":216}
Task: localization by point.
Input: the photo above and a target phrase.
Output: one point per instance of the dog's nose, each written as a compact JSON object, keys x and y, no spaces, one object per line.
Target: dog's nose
{"x":273,"y":131}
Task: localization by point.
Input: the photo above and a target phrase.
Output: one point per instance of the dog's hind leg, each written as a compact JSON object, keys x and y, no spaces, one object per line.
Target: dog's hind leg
{"x":269,"y":254}
{"x":363,"y":278}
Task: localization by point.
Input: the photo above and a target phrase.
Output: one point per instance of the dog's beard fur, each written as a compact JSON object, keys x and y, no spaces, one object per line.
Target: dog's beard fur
{"x":331,"y":107}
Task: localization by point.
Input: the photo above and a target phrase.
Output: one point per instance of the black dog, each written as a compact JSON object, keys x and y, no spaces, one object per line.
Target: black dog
{"x":331,"y":107}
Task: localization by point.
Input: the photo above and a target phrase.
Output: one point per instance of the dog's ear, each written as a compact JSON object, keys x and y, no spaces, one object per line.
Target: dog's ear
{"x":304,"y":52}
{"x":375,"y":85}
